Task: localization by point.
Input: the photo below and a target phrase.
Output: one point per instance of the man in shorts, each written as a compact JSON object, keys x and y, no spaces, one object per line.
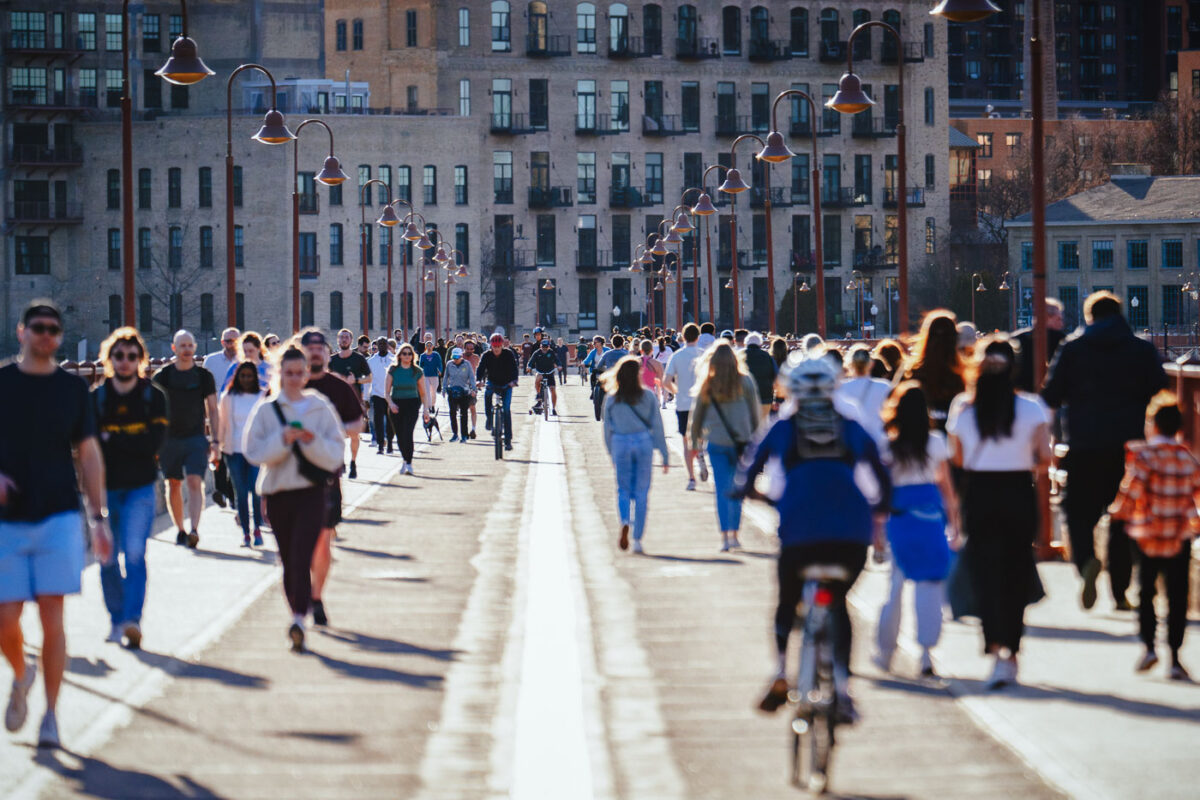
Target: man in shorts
{"x":345,"y":402}
{"x":45,"y":414}
{"x":679,"y":378}
{"x":352,"y":367}
{"x":191,"y":396}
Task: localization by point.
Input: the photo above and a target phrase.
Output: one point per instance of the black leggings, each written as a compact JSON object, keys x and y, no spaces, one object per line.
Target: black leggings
{"x":1174,"y":570}
{"x":458,"y":414}
{"x":382,"y":423}
{"x":1093,"y":478}
{"x":296,"y":516}
{"x":792,"y":562}
{"x":403,"y":423}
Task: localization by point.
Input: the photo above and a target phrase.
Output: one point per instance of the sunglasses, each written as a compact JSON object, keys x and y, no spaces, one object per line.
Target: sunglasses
{"x":42,"y":329}
{"x":121,"y":355}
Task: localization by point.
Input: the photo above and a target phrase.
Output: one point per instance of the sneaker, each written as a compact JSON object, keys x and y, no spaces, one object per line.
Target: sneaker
{"x":462,"y":439}
{"x":735,"y":543}
{"x":48,"y":733}
{"x":883,"y":661}
{"x":1147,"y":662}
{"x":487,"y":424}
{"x":133,"y":635}
{"x":454,"y":437}
{"x":379,"y":451}
{"x":245,"y":540}
{"x":1178,"y":673}
{"x":389,"y":450}
{"x":296,"y":635}
{"x":114,"y":636}
{"x":554,"y":412}
{"x":508,"y":448}
{"x":691,"y":484}
{"x":181,"y":537}
{"x":18,"y":706}
{"x":353,"y":470}
{"x":724,"y":545}
{"x":193,"y":539}
{"x":637,"y":548}
{"x":1003,"y":673}
{"x":927,"y":670}
{"x":847,"y":714}
{"x":777,"y":695}
{"x":1089,"y":573}
{"x":218,"y":498}
{"x":1123,"y":605}
{"x":472,"y":433}
{"x":258,"y":537}
{"x":410,"y":470}
{"x":703,"y":469}
{"x":623,"y":540}
{"x":318,"y":612}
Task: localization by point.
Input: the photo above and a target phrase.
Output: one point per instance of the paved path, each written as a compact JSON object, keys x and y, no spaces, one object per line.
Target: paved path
{"x":490,"y":641}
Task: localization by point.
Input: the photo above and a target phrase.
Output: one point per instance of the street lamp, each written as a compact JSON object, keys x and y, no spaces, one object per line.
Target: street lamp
{"x":390,"y":220}
{"x":1005,"y":286}
{"x":804,"y":287}
{"x":695,"y":252}
{"x":705,"y":208}
{"x":681,"y":225}
{"x":976,"y":287}
{"x":330,"y":175}
{"x":856,"y":284}
{"x":734,"y":185}
{"x":965,"y":10}
{"x":183,"y":68}
{"x":273,"y":131}
{"x":851,"y":99}
{"x":776,"y":152}
{"x":386,"y":220}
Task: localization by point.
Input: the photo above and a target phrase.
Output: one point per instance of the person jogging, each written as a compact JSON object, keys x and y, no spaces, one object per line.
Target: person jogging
{"x":131,"y":418}
{"x":499,"y":372}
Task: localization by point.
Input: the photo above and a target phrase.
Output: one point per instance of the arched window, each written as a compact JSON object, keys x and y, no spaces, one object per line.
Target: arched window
{"x":585,"y":28}
{"x":731,"y":31}
{"x":539,"y":26}
{"x":501,"y":32}
{"x":618,"y":28}
{"x":798,"y":27}
{"x":652,"y":29}
{"x":686,"y":31}
{"x":889,"y":51}
{"x":830,"y":36}
{"x":760,"y":24}
{"x":862,"y":42}
{"x":306,"y":309}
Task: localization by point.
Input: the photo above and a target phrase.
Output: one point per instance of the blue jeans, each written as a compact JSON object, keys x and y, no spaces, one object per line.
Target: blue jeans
{"x":506,"y":393}
{"x":724,"y":461}
{"x":131,"y":517}
{"x":631,"y":455}
{"x":244,"y":477}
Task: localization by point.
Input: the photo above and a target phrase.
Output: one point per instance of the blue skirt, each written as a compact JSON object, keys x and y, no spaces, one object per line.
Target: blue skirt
{"x":916,"y":532}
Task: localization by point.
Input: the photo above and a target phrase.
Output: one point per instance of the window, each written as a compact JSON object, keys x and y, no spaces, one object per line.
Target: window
{"x":546,"y":240}
{"x":1069,"y":297}
{"x":831,"y":121}
{"x":335,"y":311}
{"x":1137,"y":254}
{"x":760,"y":107}
{"x":145,"y":251}
{"x":385,"y":244}
{"x":618,"y":28}
{"x":114,"y":30}
{"x":87,"y":88}
{"x":1068,"y":255}
{"x":151,"y":33}
{"x":145,"y":313}
{"x":929,"y":170}
{"x":585,"y":28}
{"x":151,"y":90}
{"x":862,"y":43}
{"x":412,"y":95}
{"x":1013,"y":141}
{"x":145,"y":187}
{"x":801,"y":179}
{"x":237,"y":189}
{"x":175,"y":247}
{"x":831,"y":177}
{"x":1138,"y":306}
{"x":831,"y":240}
{"x":85,"y":25}
{"x":758,"y":239}
{"x":983,"y":178}
{"x":206,"y":187}
{"x":174,"y":187}
{"x":357,"y":35}
{"x":460,"y":185}
{"x":410,"y":28}
{"x":798,"y":28}
{"x":501,"y":103}
{"x":689,"y":99}
{"x":502,"y":176}
{"x":586,"y":175}
{"x":621,"y":233}
{"x":385,"y":175}
{"x":174,"y":26}
{"x":731,"y":31}
{"x":340,"y":35}
{"x":404,"y":183}
{"x":179,"y":97}
{"x":366,"y":242}
{"x":618,"y":96}
{"x":462,"y":310}
{"x":207,"y":322}
{"x":239,"y":246}
{"x":930,"y":236}
{"x":929,"y":40}
{"x":113,"y":87}
{"x":113,"y":185}
{"x":652,"y":29}
{"x":1102,"y":254}
{"x":364,"y":175}
{"x":462,"y":241}
{"x":1026,"y":256}
{"x":114,"y":311}
{"x":862,"y":177}
{"x":652,"y":93}
{"x":175,"y":311}
{"x":464,"y":27}
{"x":501,"y":33}
{"x":33,"y":255}
{"x":114,"y":248}
{"x":1172,"y":294}
{"x":306,"y":309}
{"x":1172,"y":254}
{"x":585,"y":105}
{"x":430,"y":185}
{"x":654,"y":177}
{"x":335,"y":245}
{"x":588,"y":296}
{"x":464,"y":97}
{"x":985,"y":144}
{"x":539,"y":104}
{"x":930,"y":110}
{"x":206,"y":246}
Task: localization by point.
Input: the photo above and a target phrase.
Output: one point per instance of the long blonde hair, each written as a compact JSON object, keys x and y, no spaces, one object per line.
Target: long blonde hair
{"x":719,"y":373}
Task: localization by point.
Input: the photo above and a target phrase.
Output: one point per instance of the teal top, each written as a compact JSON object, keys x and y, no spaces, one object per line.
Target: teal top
{"x":404,"y":381}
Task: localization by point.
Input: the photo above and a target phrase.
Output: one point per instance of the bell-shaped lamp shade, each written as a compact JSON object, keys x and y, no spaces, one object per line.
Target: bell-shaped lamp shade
{"x":411,"y":234}
{"x":450,"y":279}
{"x":424,"y":243}
{"x":775,"y":151}
{"x":461,"y":272}
{"x":704,"y":206}
{"x":331,"y":175}
{"x":440,"y":256}
{"x":733,"y":182}
{"x":549,"y":284}
{"x":670,"y":278}
{"x":658,"y":287}
{"x":184,"y":67}
{"x":388,"y":218}
{"x":636,"y":266}
{"x":1004,"y":287}
{"x":981,"y":287}
{"x":965,"y":10}
{"x":273,"y":130}
{"x":804,"y":287}
{"x":683,"y":224}
{"x":659,"y":249}
{"x":850,"y":97}
{"x":729,"y":284}
{"x":852,"y":286}
{"x":673,"y":237}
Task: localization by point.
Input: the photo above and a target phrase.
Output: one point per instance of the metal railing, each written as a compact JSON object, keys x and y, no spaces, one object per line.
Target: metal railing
{"x":663,"y":125}
{"x":698,"y":47}
{"x":512,"y":124}
{"x":44,"y":211}
{"x":540,"y":46}
{"x":310,"y":203}
{"x":842,"y":198}
{"x":30,"y":154}
{"x":780,"y":196}
{"x":593,"y":259}
{"x":550,"y":196}
{"x":770,"y":50}
{"x":915,"y":197}
{"x":832,"y":52}
{"x":732,"y":125}
{"x":627,"y":197}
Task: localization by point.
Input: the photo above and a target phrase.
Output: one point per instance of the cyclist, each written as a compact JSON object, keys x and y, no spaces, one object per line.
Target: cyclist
{"x":544,"y":364}
{"x":498,"y":370}
{"x":592,"y":360}
{"x":823,"y":516}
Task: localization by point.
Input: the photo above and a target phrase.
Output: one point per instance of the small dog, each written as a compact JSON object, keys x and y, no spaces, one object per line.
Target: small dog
{"x":432,"y":425}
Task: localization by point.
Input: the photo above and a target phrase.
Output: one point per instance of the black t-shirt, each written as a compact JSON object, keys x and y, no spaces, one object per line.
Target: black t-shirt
{"x":41,"y":418}
{"x":352,"y":365}
{"x":498,"y":370}
{"x":186,"y":391}
{"x":131,"y":427}
{"x":340,"y":393}
{"x":544,"y":360}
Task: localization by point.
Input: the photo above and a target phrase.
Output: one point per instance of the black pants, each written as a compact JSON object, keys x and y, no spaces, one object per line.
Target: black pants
{"x":1000,"y":516}
{"x":459,"y":407}
{"x":1093,"y":477}
{"x":792,"y":562}
{"x":296,"y":518}
{"x":381,"y":423}
{"x":1174,"y":570}
{"x":403,"y":422}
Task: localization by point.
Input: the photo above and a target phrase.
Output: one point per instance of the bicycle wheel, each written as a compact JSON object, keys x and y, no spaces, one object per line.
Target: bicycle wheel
{"x":545,"y":400}
{"x":498,"y":431}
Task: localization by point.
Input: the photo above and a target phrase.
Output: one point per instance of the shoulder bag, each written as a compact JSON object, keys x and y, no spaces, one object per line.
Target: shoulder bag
{"x":309,"y":470}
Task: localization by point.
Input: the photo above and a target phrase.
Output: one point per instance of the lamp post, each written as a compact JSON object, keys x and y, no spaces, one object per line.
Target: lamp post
{"x":679,"y":226}
{"x":976,"y":287}
{"x":804,"y":287}
{"x":851,"y":99}
{"x":856,"y":285}
{"x":439,"y":259}
{"x":413,"y":236}
{"x":362,"y":239}
{"x":672,"y":237}
{"x":330,"y":175}
{"x":705,"y":208}
{"x":734,"y":185}
{"x":695,"y":250}
{"x":1005,"y":286}
{"x":183,"y":68}
{"x":273,"y":131}
{"x":390,"y":220}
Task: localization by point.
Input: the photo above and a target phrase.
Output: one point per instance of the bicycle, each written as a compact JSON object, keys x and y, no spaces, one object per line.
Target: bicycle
{"x":543,"y":398}
{"x":583,"y":373}
{"x":497,"y":417}
{"x":817,"y":681}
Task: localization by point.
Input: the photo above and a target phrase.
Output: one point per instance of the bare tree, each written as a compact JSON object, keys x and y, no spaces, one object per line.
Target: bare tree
{"x":174,"y":300}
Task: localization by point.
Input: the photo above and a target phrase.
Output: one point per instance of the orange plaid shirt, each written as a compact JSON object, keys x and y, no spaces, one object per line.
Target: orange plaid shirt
{"x":1159,"y":495}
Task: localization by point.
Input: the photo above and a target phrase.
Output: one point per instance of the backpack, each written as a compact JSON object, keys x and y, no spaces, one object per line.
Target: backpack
{"x":100,"y":396}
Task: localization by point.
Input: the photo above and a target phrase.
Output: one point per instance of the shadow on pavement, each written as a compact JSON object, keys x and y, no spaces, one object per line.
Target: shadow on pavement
{"x":1124,"y":705}
{"x":98,"y":779}
{"x":261,"y":556}
{"x":911,"y":686}
{"x":1082,"y":634}
{"x":319,"y":736}
{"x":196,"y":671}
{"x":373,"y":553}
{"x":375,"y":644}
{"x":687,"y":560}
{"x":83,"y":666}
{"x":371,"y":673}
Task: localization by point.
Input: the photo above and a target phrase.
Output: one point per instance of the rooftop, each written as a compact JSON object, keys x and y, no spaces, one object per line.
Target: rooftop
{"x":1127,"y":198}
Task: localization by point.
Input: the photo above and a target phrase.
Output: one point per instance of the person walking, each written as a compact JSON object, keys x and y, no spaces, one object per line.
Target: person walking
{"x":924,"y":508}
{"x":936,"y":365}
{"x":999,"y":438}
{"x":652,"y":370}
{"x":236,"y":404}
{"x":432,"y":366}
{"x":191,"y":397}
{"x":297,"y":441}
{"x":1103,"y":377}
{"x":405,"y":388}
{"x":1055,"y":333}
{"x":866,"y":393}
{"x":459,"y":388}
{"x":218,"y":363}
{"x":762,"y":368}
{"x":1157,"y":501}
{"x":381,"y":422}
{"x":725,"y":414}
{"x":131,"y":420}
{"x":45,"y":415}
{"x":633,"y":430}
{"x":352,"y":367}
{"x":250,"y":345}
{"x":471,"y":356}
{"x":679,"y":377}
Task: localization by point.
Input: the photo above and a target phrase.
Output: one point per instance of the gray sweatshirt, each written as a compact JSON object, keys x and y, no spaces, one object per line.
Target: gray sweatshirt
{"x":462,"y":375}
{"x":643,"y":417}
{"x":743,"y":414}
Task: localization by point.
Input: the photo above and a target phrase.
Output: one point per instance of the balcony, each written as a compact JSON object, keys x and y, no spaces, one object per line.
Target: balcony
{"x":804,"y":128}
{"x":663,"y":125}
{"x":508,"y":260}
{"x":41,"y":99}
{"x":593,"y":260}
{"x":866,"y":126}
{"x":310,"y":265}
{"x":780,"y":196}
{"x":728,"y":125}
{"x":698,"y":48}
{"x":628,"y":47}
{"x":42,"y":212}
{"x":832,"y":52}
{"x":41,"y":155}
{"x":842,"y":198}
{"x":724,"y":262}
{"x":502,"y":197}
{"x":627,"y":197}
{"x":537,"y":46}
{"x":37,"y":43}
{"x":599,"y":125}
{"x":915,"y":197}
{"x":510,"y":124}
{"x":310,"y":203}
{"x":914,"y":52}
{"x":765,"y":50}
{"x":801,"y":261}
{"x":549,"y":196}
{"x":871,"y":258}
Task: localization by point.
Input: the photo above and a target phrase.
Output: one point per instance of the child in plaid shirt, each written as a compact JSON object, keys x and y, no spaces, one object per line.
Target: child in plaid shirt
{"x":1158,"y":500}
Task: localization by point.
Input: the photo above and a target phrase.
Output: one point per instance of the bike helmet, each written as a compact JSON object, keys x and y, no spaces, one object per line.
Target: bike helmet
{"x":496,"y":338}
{"x":809,"y":377}
{"x":537,"y":330}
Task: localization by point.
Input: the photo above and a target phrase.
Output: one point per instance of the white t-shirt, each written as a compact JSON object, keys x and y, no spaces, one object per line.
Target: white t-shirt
{"x":868,"y":396}
{"x":1014,"y":453}
{"x":705,"y":341}
{"x":936,"y":453}
{"x":379,"y":366}
{"x":241,"y":404}
{"x":218,"y":364}
{"x":682,"y":367}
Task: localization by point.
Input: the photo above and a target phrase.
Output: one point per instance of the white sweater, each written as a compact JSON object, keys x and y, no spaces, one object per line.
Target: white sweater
{"x":263,"y":443}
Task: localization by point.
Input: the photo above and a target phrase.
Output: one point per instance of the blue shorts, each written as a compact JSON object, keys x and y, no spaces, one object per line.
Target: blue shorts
{"x":43,"y":558}
{"x":188,"y":456}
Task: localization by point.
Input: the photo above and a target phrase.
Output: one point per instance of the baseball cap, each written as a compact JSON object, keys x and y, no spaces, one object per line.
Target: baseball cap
{"x":754,"y":339}
{"x":544,"y":343}
{"x":726,"y":334}
{"x":41,"y":308}
{"x":456,"y":353}
{"x":312,"y":337}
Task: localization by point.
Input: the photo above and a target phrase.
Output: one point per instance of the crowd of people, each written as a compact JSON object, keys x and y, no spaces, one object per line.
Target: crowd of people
{"x":926,"y":451}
